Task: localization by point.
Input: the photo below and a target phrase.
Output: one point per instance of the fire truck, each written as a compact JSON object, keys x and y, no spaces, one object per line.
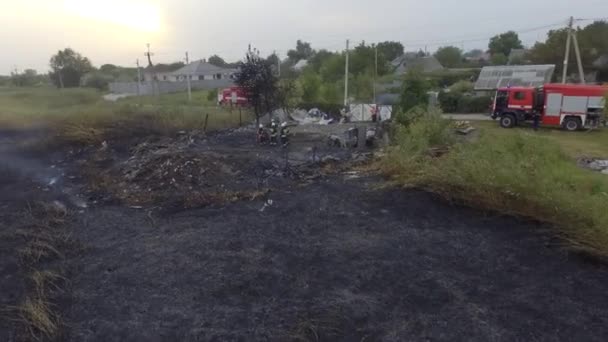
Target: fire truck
{"x":569,"y":106}
{"x":232,"y":96}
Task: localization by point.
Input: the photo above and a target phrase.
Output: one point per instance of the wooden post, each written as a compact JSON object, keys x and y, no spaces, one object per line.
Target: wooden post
{"x":206,"y":122}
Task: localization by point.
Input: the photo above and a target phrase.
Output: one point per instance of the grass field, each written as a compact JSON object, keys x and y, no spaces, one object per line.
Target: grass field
{"x":518,"y":172}
{"x":575,"y":144}
{"x":81,"y":115}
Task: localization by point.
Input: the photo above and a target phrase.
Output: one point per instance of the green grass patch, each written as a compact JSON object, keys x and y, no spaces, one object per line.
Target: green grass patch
{"x":575,"y":144}
{"x":82,"y":116}
{"x":515,"y":172}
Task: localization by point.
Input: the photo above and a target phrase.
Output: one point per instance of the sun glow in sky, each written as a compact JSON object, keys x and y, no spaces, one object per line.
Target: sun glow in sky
{"x":134,"y":14}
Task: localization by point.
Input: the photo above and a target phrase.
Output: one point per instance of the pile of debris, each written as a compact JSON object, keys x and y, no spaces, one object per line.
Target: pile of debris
{"x":463,"y":127}
{"x":598,"y":165}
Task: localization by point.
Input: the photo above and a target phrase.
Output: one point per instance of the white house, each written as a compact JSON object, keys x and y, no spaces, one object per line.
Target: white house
{"x":197,"y":71}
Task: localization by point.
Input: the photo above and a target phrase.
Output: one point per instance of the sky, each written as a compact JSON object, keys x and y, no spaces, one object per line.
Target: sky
{"x":117,"y":31}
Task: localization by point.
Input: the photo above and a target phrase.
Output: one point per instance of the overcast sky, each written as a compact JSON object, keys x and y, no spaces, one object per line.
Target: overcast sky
{"x":116,"y":31}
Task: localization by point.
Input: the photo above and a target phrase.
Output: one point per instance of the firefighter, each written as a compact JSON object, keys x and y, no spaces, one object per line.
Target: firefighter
{"x":536,"y":122}
{"x":284,"y":134}
{"x":273,"y":133}
{"x":262,"y":135}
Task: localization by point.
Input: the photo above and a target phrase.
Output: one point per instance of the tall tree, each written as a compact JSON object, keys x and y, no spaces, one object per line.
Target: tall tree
{"x":27,"y":78}
{"x":303,"y":51}
{"x":390,"y":50}
{"x":499,"y":59}
{"x":257,"y":78}
{"x":504,"y":43}
{"x":414,"y":91}
{"x":449,"y":56}
{"x":68,"y":67}
{"x":217,"y":61}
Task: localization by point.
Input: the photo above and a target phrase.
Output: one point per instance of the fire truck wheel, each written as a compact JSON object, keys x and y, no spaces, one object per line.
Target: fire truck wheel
{"x":507,"y":121}
{"x":572,"y":124}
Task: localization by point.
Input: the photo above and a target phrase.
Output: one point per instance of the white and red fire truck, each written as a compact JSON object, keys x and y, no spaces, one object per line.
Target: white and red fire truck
{"x":570,"y":106}
{"x":235,"y":96}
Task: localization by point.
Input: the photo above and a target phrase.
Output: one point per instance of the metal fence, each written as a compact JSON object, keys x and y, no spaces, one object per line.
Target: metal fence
{"x":164,"y":87}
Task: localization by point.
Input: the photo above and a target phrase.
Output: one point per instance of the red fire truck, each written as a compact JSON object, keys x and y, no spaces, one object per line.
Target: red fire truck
{"x":570,"y":106}
{"x":232,"y":96}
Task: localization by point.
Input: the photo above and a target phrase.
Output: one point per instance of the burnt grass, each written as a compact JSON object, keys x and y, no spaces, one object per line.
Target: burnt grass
{"x":312,"y":252}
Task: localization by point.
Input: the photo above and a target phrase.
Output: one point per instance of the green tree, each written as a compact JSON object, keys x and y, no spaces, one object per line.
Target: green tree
{"x":68,"y":67}
{"x":390,"y":50}
{"x":414,"y":91}
{"x":449,"y":56}
{"x":303,"y":51}
{"x":593,"y":42}
{"x":27,"y":78}
{"x":217,"y":61}
{"x":504,"y":43}
{"x":257,"y":78}
{"x":473,"y":53}
{"x":310,"y":84}
{"x":499,"y":59}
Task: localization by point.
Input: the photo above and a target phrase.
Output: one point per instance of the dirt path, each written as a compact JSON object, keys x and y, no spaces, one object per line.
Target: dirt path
{"x":333,"y":259}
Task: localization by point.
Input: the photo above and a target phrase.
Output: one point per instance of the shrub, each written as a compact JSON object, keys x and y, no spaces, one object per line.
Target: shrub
{"x":414,"y":91}
{"x":453,"y":102}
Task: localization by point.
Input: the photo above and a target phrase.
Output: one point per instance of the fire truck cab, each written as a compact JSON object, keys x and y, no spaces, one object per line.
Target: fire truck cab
{"x":570,"y":106}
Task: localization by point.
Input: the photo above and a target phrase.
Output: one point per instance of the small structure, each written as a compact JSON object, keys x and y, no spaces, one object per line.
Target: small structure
{"x":412,"y":60}
{"x":494,"y":77}
{"x":197,"y":71}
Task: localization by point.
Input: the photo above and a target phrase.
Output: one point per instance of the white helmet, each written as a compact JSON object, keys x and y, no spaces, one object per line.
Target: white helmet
{"x":261,"y":126}
{"x":284,"y":124}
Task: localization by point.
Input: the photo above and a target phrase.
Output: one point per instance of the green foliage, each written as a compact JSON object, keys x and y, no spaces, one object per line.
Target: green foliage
{"x":499,"y":59}
{"x":303,"y":51}
{"x":449,"y":56}
{"x":212,"y":96}
{"x":446,"y":78}
{"x":504,"y":43}
{"x":217,"y":61}
{"x":457,"y":102}
{"x":390,"y":50}
{"x":27,"y":78}
{"x":362,"y":61}
{"x":593,"y":42}
{"x":462,"y":87}
{"x":68,"y":67}
{"x":414,"y":91}
{"x":310,"y":85}
{"x":97,"y":80}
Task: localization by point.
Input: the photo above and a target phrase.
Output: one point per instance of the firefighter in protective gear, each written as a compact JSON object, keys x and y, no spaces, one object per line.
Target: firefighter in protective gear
{"x":262,"y":135}
{"x":284,"y":134}
{"x":273,"y":133}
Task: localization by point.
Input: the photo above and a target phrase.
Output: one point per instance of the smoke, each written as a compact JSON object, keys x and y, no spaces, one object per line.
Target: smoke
{"x":17,"y":167}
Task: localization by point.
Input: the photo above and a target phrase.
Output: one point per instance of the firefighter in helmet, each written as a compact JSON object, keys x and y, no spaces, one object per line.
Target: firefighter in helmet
{"x":273,"y":133}
{"x":262,"y":135}
{"x":284,"y":134}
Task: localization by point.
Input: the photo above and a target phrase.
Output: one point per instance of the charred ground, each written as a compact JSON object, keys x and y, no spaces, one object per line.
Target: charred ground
{"x":203,"y":237}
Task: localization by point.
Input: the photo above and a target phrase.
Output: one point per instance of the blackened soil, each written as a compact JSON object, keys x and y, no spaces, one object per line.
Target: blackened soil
{"x":337,"y":259}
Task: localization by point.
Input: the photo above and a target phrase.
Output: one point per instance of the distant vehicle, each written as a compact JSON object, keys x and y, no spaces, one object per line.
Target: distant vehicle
{"x":570,"y":106}
{"x":234,"y":96}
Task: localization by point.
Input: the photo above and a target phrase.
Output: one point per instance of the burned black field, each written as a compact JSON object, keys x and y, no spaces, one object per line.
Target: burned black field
{"x":199,"y":237}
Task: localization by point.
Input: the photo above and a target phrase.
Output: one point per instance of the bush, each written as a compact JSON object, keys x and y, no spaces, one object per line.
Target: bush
{"x":452,"y":102}
{"x":97,"y":80}
{"x":212,"y":96}
{"x":414,"y":91}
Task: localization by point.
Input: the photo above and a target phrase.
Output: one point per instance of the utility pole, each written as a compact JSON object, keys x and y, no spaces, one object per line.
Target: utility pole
{"x":138,"y":78}
{"x":375,"y":72}
{"x":151,"y":66}
{"x":188,"y":78}
{"x":567,"y":57}
{"x":572,"y":37}
{"x":577,"y":50}
{"x":346,"y":77}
